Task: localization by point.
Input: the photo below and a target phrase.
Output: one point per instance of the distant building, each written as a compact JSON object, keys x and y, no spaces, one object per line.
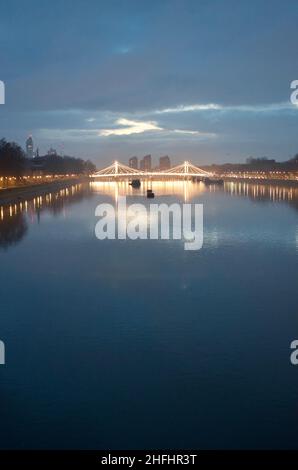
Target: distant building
{"x":52,"y":152}
{"x":164,"y":163}
{"x":133,"y":162}
{"x":37,"y":165}
{"x":29,"y":147}
{"x":145,"y":163}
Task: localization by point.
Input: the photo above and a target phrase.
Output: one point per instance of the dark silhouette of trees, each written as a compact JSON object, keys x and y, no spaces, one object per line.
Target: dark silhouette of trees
{"x":13,"y":162}
{"x":54,"y":164}
{"x":256,"y":164}
{"x":89,"y":167}
{"x":12,"y":159}
{"x":261,"y":162}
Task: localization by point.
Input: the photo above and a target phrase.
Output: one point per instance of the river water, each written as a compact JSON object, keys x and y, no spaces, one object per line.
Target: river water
{"x":127,"y":344}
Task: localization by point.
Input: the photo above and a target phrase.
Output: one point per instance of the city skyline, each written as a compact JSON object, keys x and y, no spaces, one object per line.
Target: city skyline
{"x":192,"y":83}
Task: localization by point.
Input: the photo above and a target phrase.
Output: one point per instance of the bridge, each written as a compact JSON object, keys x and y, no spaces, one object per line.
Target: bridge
{"x":119,"y":171}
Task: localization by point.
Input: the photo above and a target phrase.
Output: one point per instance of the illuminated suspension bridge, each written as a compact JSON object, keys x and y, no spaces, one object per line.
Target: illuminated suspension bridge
{"x":119,"y":171}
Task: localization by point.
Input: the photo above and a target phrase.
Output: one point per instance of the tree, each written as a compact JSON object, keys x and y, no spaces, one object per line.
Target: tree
{"x":54,"y":164}
{"x":12,"y":159}
{"x":89,"y":167}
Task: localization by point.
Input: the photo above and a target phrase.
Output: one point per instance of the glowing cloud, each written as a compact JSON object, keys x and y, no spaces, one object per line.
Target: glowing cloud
{"x":187,"y":108}
{"x":258,"y":108}
{"x":130,"y":127}
{"x":139,"y":127}
{"x":198,"y":133}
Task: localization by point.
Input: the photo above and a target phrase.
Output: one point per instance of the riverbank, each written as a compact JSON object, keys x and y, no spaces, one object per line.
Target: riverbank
{"x":22,"y":193}
{"x":275,"y":182}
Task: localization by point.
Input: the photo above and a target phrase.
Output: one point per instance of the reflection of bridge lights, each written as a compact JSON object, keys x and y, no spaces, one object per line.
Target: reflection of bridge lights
{"x":184,"y":189}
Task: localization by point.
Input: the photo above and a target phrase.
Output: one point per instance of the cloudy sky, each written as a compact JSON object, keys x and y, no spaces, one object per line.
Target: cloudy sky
{"x":207,"y":80}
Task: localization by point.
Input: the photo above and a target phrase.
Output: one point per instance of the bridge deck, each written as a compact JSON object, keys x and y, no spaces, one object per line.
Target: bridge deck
{"x":120,"y":171}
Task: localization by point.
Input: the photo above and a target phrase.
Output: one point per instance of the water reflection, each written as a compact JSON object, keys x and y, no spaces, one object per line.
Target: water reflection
{"x":86,"y":323}
{"x":187,"y":190}
{"x":264,"y":192}
{"x":12,"y":230}
{"x":14,"y":218}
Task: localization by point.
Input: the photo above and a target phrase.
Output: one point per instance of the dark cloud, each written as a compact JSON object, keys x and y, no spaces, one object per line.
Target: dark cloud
{"x":64,"y":62}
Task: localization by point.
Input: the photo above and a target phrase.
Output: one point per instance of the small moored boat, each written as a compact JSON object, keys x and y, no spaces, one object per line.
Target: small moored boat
{"x":150,"y":193}
{"x":135,"y":183}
